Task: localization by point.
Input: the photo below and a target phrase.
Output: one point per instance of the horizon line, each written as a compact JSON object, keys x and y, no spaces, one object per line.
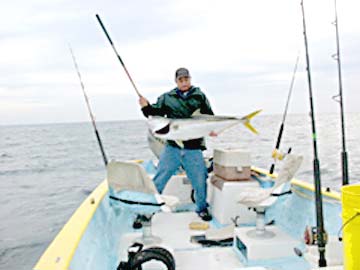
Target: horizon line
{"x":127,"y":120}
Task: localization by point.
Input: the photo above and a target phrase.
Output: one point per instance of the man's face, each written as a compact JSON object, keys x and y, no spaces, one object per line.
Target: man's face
{"x":184,"y":83}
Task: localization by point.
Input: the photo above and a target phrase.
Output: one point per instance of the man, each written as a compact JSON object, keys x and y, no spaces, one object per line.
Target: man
{"x":182,"y":102}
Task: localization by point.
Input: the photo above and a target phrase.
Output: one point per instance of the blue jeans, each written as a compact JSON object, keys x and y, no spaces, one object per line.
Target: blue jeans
{"x":193,"y":162}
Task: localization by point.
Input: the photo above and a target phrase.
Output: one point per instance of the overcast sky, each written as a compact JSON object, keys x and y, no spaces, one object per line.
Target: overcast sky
{"x":241,"y":53}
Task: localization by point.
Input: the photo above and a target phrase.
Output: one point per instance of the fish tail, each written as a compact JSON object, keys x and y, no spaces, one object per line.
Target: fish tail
{"x":249,"y":126}
{"x":252,"y":115}
{"x":247,"y":119}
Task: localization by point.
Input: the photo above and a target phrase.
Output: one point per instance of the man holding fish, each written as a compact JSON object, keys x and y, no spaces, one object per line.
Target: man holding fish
{"x":181,"y":103}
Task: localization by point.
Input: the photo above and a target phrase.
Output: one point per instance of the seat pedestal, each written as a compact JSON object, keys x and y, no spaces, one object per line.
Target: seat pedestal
{"x":147,"y":237}
{"x":260,"y":231}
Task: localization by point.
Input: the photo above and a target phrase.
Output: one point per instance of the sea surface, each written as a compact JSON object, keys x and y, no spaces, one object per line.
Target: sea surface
{"x":46,"y":171}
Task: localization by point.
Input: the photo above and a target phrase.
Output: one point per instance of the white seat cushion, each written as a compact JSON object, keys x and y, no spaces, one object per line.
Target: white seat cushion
{"x":260,"y":197}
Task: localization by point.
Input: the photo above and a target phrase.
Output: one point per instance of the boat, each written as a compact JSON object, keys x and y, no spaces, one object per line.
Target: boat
{"x":100,"y":232}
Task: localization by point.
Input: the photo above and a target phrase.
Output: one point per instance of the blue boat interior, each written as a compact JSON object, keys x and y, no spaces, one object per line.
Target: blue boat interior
{"x":103,"y":246}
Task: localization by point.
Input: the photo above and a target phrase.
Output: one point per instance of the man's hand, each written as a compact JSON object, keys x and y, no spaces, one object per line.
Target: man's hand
{"x":143,"y":102}
{"x":213,"y":134}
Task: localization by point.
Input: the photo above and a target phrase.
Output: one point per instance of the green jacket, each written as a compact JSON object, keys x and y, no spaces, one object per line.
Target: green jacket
{"x":175,"y":104}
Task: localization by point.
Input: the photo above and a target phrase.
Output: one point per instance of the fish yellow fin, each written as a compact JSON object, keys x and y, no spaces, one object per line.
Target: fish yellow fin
{"x":249,"y":126}
{"x":252,"y":115}
{"x":247,"y":119}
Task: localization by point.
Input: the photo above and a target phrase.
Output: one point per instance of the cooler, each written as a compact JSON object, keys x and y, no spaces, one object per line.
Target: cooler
{"x":232,"y":165}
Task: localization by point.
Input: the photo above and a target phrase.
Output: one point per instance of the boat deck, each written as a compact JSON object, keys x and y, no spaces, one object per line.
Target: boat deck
{"x":173,"y":229}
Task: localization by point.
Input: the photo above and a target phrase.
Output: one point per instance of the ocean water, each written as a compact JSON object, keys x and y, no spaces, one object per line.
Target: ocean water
{"x":46,"y":171}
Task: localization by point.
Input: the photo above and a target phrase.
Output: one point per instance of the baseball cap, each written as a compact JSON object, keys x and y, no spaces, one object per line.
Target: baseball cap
{"x":182,"y":72}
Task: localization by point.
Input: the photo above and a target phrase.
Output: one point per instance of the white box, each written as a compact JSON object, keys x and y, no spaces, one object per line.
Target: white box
{"x":180,"y":187}
{"x":280,"y":246}
{"x":224,"y":205}
{"x":232,"y":158}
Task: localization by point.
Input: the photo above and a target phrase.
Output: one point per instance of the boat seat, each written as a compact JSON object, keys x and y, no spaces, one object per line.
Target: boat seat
{"x":130,"y":184}
{"x":132,"y":188}
{"x":260,"y":199}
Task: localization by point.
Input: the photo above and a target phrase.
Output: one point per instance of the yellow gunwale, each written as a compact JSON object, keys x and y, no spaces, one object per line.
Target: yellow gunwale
{"x":62,"y":249}
{"x":60,"y":252}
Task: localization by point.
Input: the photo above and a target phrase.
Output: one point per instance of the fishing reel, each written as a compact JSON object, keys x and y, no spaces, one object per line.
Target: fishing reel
{"x":278,"y":155}
{"x":311,"y":236}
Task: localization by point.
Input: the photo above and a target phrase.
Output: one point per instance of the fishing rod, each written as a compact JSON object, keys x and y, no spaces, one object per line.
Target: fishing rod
{"x":336,"y":56}
{"x":281,"y":130}
{"x":318,"y":195}
{"x":89,"y":109}
{"x":117,"y":54}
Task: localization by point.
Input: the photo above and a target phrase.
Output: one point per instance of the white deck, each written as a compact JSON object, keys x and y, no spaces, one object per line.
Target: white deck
{"x":173,"y":228}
